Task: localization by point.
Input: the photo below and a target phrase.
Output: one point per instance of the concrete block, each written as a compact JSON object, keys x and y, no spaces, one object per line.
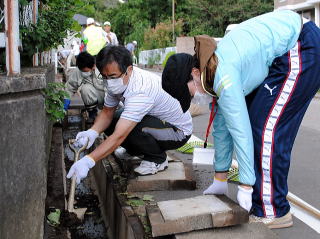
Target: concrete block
{"x":185,"y":45}
{"x":177,"y":176}
{"x":190,"y":214}
{"x":191,"y":207}
{"x":24,"y":147}
{"x":244,"y":231}
{"x":119,"y":218}
{"x":30,"y":79}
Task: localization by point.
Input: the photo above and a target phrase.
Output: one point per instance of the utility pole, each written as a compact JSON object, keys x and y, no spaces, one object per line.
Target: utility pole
{"x":11,"y":12}
{"x":172,"y":21}
{"x":35,"y":57}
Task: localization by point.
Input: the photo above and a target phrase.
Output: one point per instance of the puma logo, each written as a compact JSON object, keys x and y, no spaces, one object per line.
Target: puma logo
{"x":268,"y":88}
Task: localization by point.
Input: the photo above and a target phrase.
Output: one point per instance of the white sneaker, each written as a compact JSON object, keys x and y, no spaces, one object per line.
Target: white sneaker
{"x":147,"y":167}
{"x":121,"y":153}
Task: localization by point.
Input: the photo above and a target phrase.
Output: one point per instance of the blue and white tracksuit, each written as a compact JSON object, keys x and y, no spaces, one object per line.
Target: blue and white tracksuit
{"x":268,"y":72}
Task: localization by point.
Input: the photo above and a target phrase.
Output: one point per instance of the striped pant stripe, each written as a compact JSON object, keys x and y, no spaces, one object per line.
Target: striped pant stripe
{"x":269,"y":129}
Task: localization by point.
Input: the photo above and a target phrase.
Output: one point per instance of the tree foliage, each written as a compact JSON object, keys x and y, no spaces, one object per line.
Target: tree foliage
{"x":138,"y":19}
{"x":54,"y":20}
{"x":132,"y":20}
{"x":161,"y":35}
{"x":212,"y":17}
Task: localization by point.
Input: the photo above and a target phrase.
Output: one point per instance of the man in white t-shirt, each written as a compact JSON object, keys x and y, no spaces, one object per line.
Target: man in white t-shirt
{"x":150,"y":123}
{"x":111,"y":37}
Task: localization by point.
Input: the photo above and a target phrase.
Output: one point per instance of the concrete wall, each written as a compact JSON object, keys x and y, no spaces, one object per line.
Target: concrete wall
{"x":185,"y":45}
{"x":24,"y":147}
{"x":156,"y":55}
{"x":120,"y":220}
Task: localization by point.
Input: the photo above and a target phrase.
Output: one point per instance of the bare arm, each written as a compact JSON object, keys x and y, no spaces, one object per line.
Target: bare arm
{"x":104,"y":119}
{"x":122,"y":130}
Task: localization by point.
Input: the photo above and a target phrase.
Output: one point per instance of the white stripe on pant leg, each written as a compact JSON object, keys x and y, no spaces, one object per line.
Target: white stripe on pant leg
{"x":268,"y":131}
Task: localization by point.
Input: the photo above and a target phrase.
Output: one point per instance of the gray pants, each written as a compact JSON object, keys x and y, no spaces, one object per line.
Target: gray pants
{"x":151,"y":138}
{"x":91,"y":96}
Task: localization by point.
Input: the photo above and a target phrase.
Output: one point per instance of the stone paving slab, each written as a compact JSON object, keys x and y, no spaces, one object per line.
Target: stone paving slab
{"x":176,"y":209}
{"x":175,"y":171}
{"x":177,"y":176}
{"x":244,"y":231}
{"x":202,"y":212}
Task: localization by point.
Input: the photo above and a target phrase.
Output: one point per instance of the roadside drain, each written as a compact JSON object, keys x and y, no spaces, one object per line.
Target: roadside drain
{"x":67,"y":225}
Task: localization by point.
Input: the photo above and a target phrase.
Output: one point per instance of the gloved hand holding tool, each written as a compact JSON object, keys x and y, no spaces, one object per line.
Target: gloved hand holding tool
{"x":82,"y":137}
{"x":73,"y":172}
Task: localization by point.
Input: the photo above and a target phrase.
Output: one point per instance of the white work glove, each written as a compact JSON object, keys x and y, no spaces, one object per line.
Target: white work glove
{"x":244,"y":197}
{"x":217,"y":187}
{"x":81,"y":168}
{"x":83,"y":136}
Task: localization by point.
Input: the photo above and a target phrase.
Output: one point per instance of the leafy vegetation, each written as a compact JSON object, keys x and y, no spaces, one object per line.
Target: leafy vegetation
{"x":167,"y":57}
{"x":54,"y":95}
{"x":139,"y":19}
{"x":55,"y":19}
{"x":161,"y":35}
{"x":147,"y":22}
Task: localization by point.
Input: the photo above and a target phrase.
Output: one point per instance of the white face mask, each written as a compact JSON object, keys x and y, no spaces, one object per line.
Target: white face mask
{"x":201,"y":98}
{"x":86,"y":74}
{"x":116,"y":86}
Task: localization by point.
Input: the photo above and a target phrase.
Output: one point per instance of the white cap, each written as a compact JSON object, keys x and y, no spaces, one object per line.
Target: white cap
{"x":107,"y":23}
{"x":135,"y":42}
{"x":90,"y":20}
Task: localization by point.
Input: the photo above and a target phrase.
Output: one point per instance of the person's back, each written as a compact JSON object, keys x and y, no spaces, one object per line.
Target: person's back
{"x":130,"y":47}
{"x":251,"y":47}
{"x":95,"y":37}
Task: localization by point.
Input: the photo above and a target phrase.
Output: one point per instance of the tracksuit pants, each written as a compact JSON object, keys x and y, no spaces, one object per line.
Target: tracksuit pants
{"x":151,"y":138}
{"x":276,"y":109}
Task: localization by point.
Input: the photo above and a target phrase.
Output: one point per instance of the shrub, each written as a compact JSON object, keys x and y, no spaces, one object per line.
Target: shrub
{"x":54,"y":95}
{"x":161,"y":35}
{"x":153,"y":60}
{"x":170,"y":53}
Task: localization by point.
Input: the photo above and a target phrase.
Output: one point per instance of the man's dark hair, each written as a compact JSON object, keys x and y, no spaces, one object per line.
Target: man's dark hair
{"x":118,"y":54}
{"x":84,"y":59}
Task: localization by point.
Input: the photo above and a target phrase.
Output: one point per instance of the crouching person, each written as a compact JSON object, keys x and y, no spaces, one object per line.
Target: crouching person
{"x":84,"y":79}
{"x":150,"y":123}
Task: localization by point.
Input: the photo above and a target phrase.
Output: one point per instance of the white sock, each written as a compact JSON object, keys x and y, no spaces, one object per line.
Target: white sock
{"x":217,"y":187}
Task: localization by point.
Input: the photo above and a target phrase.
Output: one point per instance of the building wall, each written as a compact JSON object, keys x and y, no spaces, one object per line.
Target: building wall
{"x":309,"y":9}
{"x":279,"y":3}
